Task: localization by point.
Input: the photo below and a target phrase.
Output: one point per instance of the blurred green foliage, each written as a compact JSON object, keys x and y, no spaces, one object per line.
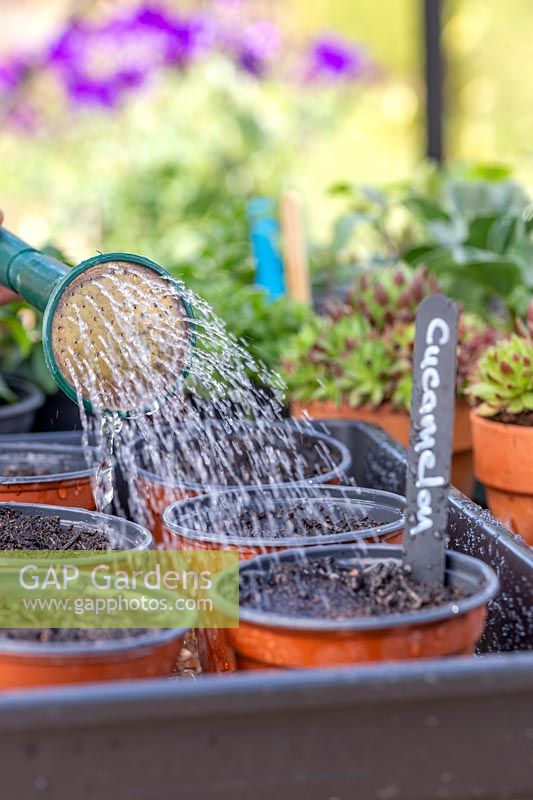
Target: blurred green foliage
{"x":169,"y":175}
{"x":470,"y":225}
{"x":21,"y":349}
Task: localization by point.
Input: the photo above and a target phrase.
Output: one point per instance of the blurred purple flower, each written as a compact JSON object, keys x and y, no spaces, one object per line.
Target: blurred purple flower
{"x":12,"y":71}
{"x":332,"y":59}
{"x":98,"y":64}
{"x":258,"y":47}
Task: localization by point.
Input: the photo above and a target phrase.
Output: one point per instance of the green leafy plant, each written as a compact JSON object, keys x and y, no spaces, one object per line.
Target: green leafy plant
{"x":6,"y":394}
{"x":21,"y":349}
{"x":471,"y":226}
{"x":502,"y":386}
{"x":361,"y":351}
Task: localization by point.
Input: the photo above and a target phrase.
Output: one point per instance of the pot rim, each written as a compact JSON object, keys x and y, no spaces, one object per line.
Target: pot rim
{"x":79,"y":515}
{"x":45,"y":449}
{"x":90,"y":650}
{"x":478,"y":419}
{"x":32,"y":398}
{"x":386,"y":407}
{"x":362,"y":495}
{"x":456,"y":563}
{"x":335,"y":472}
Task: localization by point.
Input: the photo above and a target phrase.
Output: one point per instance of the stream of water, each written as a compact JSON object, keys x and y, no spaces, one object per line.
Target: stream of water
{"x":206,"y":414}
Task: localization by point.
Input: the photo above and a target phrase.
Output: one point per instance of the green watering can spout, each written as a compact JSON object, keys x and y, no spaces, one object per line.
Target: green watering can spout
{"x":117,"y":331}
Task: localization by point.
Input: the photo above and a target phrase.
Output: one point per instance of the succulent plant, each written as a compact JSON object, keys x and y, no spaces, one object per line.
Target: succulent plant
{"x":391,"y":295}
{"x":503,"y":382}
{"x":474,"y":338}
{"x":361,"y":353}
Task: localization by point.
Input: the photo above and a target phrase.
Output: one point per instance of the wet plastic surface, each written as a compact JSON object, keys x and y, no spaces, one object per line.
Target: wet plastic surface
{"x":452,"y":729}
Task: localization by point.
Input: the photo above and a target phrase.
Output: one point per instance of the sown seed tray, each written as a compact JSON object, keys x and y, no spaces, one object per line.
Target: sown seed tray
{"x":452,"y":729}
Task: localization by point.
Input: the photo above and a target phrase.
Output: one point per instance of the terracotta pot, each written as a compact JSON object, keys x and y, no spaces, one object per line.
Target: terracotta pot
{"x":25,"y":665}
{"x":124,"y":535}
{"x":186,"y":521}
{"x":396,"y":424}
{"x":504,"y":463}
{"x":157,"y":493}
{"x":68,"y":485}
{"x":265,"y":640}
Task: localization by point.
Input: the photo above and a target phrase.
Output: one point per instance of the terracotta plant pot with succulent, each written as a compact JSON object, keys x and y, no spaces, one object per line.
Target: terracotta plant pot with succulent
{"x":355,"y":361}
{"x":502,"y":423}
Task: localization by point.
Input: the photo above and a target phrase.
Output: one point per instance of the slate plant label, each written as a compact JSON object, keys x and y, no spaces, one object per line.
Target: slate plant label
{"x":431,"y":434}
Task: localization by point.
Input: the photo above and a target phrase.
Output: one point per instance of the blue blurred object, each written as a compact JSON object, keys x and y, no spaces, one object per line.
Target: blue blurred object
{"x":265,"y":235}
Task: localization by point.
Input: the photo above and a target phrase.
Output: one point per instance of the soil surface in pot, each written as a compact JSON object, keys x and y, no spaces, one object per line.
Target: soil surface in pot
{"x":33,"y":471}
{"x":299,"y":519}
{"x":325,"y":589}
{"x":525,"y":419}
{"x":31,"y":465}
{"x":245,"y":460}
{"x":70,"y":635}
{"x":27,"y":471}
{"x":25,"y":532}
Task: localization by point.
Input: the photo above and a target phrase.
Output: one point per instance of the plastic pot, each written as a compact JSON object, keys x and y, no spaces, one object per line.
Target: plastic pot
{"x":504,"y":463}
{"x":30,"y":664}
{"x":123,"y":534}
{"x":26,"y":665}
{"x":188,"y":522}
{"x":396,"y":424}
{"x":69,"y":483}
{"x":185,"y":522}
{"x":265,"y":640}
{"x":158,"y":492}
{"x":18,"y":417}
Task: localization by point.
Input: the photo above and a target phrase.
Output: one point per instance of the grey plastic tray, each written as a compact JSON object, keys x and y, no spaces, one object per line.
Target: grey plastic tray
{"x":455,"y":729}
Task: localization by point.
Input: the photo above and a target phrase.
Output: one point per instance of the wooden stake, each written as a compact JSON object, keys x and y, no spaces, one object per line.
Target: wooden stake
{"x":294,"y":249}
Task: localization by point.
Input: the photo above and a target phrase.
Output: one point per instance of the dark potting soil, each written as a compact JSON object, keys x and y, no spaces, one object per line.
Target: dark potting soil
{"x":24,"y":532}
{"x":525,"y":419}
{"x":28,"y":468}
{"x":26,"y":471}
{"x":301,"y":518}
{"x":325,"y":589}
{"x":241,"y":459}
{"x":70,"y":635}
